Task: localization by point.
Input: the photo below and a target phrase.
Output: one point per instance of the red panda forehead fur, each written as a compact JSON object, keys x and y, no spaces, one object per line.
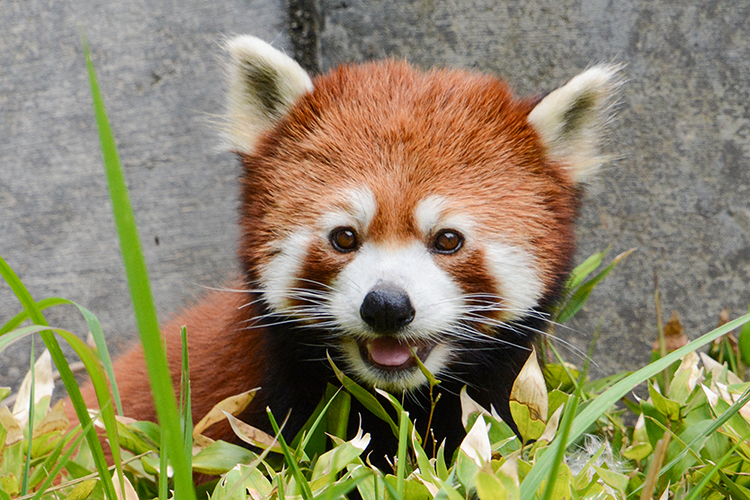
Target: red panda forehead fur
{"x":406,"y":135}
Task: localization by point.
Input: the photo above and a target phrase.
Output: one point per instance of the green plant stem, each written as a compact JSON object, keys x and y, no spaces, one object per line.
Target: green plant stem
{"x":660,"y":334}
{"x":289,"y":456}
{"x":27,"y":463}
{"x":403,"y":426}
{"x":652,"y":475}
{"x":567,"y":421}
{"x":702,"y":484}
{"x":609,"y":397}
{"x":66,"y":374}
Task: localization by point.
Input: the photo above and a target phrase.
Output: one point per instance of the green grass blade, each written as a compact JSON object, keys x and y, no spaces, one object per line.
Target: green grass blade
{"x":744,"y":343}
{"x":588,"y":415}
{"x":564,"y":431}
{"x":581,"y":295}
{"x":581,"y":271}
{"x":717,"y":466}
{"x":289,"y":456}
{"x":301,"y":441}
{"x":186,"y":412}
{"x":96,"y":331}
{"x":364,"y":396}
{"x":140,"y":292}
{"x":66,"y":374}
{"x":19,"y":318}
{"x":163,"y":468}
{"x":403,"y":437}
{"x":27,"y":463}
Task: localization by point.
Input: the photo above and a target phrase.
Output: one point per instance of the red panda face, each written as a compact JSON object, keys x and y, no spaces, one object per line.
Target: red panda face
{"x":403,"y":213}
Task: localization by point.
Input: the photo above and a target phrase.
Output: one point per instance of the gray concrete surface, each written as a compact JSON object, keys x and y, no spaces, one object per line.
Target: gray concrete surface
{"x":160,"y":71}
{"x":679,"y":191}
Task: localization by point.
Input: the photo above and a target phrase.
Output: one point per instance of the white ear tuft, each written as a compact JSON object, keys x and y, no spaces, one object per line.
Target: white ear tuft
{"x":571,"y":120}
{"x":263,"y":85}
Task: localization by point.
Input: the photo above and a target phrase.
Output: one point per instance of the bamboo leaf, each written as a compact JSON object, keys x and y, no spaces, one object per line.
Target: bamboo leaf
{"x":588,"y":415}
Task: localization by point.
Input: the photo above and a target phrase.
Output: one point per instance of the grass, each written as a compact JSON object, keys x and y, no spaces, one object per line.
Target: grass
{"x":688,"y":439}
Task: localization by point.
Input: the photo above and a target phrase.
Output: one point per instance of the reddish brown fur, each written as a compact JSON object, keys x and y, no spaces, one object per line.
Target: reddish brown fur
{"x":219,"y":362}
{"x":405,"y":135}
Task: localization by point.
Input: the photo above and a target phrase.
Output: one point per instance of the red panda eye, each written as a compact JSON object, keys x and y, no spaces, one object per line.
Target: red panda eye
{"x":344,"y":239}
{"x":448,"y":241}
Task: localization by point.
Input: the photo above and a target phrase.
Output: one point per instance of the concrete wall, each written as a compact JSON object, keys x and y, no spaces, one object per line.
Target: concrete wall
{"x":679,"y":191}
{"x":160,"y":71}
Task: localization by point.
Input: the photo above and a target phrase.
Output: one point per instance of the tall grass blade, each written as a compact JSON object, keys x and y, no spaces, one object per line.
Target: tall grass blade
{"x":32,"y":400}
{"x":140,"y":293}
{"x":303,"y":484}
{"x":403,"y":437}
{"x":716,"y":468}
{"x":66,"y":374}
{"x":744,"y":343}
{"x":588,"y":416}
{"x":94,"y":327}
{"x":186,"y":412}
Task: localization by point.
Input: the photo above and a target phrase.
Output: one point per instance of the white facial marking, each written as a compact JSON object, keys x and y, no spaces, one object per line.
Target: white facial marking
{"x":279,"y":277}
{"x":431,"y":216}
{"x":428,"y":213}
{"x":518,"y":280}
{"x":436,"y":299}
{"x":358,"y":212}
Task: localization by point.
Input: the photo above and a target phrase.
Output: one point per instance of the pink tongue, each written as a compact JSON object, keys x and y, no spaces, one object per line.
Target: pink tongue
{"x":389,"y":352}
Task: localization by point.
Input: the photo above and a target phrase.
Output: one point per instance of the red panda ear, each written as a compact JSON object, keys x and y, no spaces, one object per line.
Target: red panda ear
{"x":263,"y":85}
{"x":571,"y":120}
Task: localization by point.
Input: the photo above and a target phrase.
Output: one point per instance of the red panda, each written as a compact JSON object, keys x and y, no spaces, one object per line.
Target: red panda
{"x":386,"y":213}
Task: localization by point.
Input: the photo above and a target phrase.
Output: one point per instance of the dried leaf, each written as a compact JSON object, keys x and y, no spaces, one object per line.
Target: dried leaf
{"x":469,"y":406}
{"x":233,"y":405}
{"x":719,"y":370}
{"x":200,"y":442}
{"x":551,"y":430}
{"x":43,"y":385}
{"x":530,"y":390}
{"x":252,"y":435}
{"x":674,"y":336}
{"x":11,"y":425}
{"x":54,"y":421}
{"x":476,"y":444}
{"x":126,"y":487}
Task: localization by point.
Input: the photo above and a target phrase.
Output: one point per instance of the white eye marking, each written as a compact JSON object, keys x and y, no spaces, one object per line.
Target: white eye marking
{"x":357,"y":213}
{"x":517,"y":277}
{"x":432,"y":215}
{"x":428,"y":212}
{"x":436,"y":298}
{"x":280,"y":275}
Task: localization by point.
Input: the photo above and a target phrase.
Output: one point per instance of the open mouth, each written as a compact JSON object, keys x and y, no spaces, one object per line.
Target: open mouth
{"x":390,"y":354}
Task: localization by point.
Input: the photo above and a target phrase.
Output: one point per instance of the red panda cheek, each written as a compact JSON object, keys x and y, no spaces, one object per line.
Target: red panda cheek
{"x":470,"y":272}
{"x":319,"y":268}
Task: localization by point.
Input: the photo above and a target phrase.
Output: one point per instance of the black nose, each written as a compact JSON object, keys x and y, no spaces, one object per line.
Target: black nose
{"x":387,"y":308}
